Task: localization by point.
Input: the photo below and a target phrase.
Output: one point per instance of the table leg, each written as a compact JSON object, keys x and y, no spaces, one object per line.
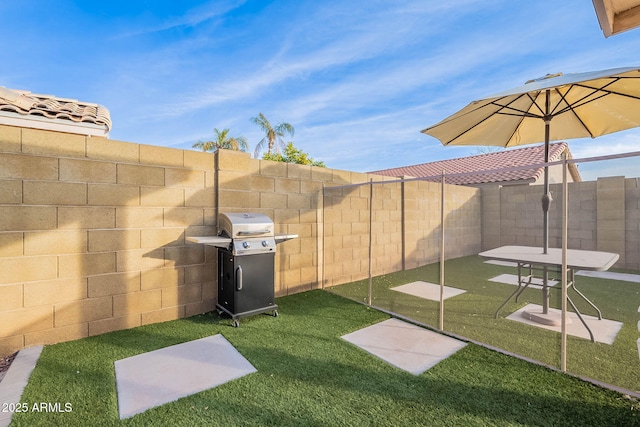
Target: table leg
{"x":581,"y":319}
{"x":522,"y":285}
{"x":507,"y":300}
{"x":573,"y":283}
{"x":522,"y":281}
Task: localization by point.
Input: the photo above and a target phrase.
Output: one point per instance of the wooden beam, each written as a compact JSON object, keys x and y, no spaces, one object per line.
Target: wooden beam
{"x":626,"y":20}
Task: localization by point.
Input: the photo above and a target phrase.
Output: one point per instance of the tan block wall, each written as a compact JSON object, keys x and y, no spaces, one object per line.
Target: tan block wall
{"x":632,"y":223}
{"x":346,"y":234}
{"x":93,"y":231}
{"x":610,"y":214}
{"x":289,"y":194}
{"x":405,"y":221}
{"x":92,"y":235}
{"x":405,"y":226}
{"x":604,"y":215}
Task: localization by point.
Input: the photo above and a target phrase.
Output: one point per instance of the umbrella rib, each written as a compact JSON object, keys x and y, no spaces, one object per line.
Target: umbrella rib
{"x":586,"y":100}
{"x":603,"y":89}
{"x":517,"y":111}
{"x":572,"y":108}
{"x":533,"y":100}
{"x":578,"y":103}
{"x":609,"y":92}
{"x":511,"y":111}
{"x":520,"y":113}
{"x":534,"y":109}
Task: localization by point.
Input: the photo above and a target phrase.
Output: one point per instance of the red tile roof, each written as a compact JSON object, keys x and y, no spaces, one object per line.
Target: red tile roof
{"x":489,"y":162}
{"x":26,"y":104}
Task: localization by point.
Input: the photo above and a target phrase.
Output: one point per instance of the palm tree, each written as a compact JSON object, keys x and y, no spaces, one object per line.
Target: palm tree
{"x":223,"y":140}
{"x":271,"y":134}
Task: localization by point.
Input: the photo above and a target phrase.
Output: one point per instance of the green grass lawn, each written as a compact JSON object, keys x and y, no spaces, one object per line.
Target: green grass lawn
{"x":472,"y":315}
{"x":308,"y":376}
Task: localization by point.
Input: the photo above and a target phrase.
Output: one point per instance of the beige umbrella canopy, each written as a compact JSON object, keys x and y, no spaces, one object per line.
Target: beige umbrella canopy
{"x":552,"y":108}
{"x":555,"y":107}
{"x":578,"y":106}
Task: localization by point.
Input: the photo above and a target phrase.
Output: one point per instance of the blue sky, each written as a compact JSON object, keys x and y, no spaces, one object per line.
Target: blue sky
{"x":357,"y":79}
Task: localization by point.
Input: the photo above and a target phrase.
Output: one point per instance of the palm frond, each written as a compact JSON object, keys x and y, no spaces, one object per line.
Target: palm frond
{"x":273,"y":135}
{"x":260,"y":146}
{"x":205,"y":145}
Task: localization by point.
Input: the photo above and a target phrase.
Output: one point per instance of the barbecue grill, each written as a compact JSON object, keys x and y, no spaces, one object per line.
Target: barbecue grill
{"x":246,"y":256}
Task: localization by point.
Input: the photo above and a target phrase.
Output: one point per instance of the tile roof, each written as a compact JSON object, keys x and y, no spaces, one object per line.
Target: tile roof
{"x":22,"y":104}
{"x":489,"y":162}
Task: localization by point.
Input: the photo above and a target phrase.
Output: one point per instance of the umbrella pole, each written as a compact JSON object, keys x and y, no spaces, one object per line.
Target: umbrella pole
{"x":565,"y":234}
{"x":546,"y":197}
{"x":546,"y":201}
{"x":442,"y":235}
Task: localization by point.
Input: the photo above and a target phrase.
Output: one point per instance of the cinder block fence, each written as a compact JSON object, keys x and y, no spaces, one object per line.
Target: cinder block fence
{"x":93,"y":231}
{"x":92,"y":235}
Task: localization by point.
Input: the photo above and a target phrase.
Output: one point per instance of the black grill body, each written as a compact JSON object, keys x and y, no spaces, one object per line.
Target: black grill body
{"x":246,"y":262}
{"x":245,"y":284}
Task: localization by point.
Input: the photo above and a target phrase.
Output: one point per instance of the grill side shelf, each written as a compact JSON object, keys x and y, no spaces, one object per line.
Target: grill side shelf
{"x":217,"y":241}
{"x":279,"y":238}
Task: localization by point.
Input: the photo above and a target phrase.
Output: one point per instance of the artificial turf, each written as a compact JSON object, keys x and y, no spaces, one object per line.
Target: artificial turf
{"x":308,"y":376}
{"x":472,"y":315}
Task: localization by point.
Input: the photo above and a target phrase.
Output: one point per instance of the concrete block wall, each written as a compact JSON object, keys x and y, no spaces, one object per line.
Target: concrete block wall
{"x":92,"y":235}
{"x":291,"y":195}
{"x":422,"y":212}
{"x":93,"y":231}
{"x":334,"y":224}
{"x":610,"y":215}
{"x":405,"y":223}
{"x":387,"y":236}
{"x":346,"y":234}
{"x":632,"y":222}
{"x":603,"y":216}
{"x":491,"y":217}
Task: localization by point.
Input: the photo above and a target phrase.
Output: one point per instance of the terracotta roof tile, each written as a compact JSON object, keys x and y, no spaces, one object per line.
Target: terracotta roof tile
{"x":28,"y":104}
{"x":488,"y":162}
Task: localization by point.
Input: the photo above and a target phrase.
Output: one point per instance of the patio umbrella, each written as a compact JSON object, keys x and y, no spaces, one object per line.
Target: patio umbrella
{"x":554,"y":107}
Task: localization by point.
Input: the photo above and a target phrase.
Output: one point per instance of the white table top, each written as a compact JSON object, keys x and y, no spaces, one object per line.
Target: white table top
{"x":576,"y":259}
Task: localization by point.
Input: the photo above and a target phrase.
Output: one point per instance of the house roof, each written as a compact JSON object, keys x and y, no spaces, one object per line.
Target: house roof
{"x":25,"y":109}
{"x":492,"y":163}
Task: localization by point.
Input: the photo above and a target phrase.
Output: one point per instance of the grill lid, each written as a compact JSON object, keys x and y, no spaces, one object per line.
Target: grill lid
{"x":244,"y":234}
{"x":244,"y":225}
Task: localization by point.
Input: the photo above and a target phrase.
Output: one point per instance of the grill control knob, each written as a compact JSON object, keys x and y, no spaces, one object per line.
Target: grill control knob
{"x":265,"y":243}
{"x":246,"y":245}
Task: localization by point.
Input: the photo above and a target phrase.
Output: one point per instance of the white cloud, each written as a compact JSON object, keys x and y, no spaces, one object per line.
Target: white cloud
{"x":189,"y":18}
{"x":322,"y":50}
{"x":357,"y":79}
{"x":616,"y":143}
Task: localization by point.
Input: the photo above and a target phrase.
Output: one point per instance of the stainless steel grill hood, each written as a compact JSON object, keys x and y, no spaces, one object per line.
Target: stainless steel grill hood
{"x":244,"y":234}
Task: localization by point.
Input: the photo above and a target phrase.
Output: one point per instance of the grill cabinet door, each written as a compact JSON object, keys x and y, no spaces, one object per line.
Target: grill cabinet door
{"x":245,"y":282}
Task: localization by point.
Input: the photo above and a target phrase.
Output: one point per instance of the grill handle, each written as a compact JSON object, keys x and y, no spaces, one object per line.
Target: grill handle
{"x":253,"y":233}
{"x":239,"y":278}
